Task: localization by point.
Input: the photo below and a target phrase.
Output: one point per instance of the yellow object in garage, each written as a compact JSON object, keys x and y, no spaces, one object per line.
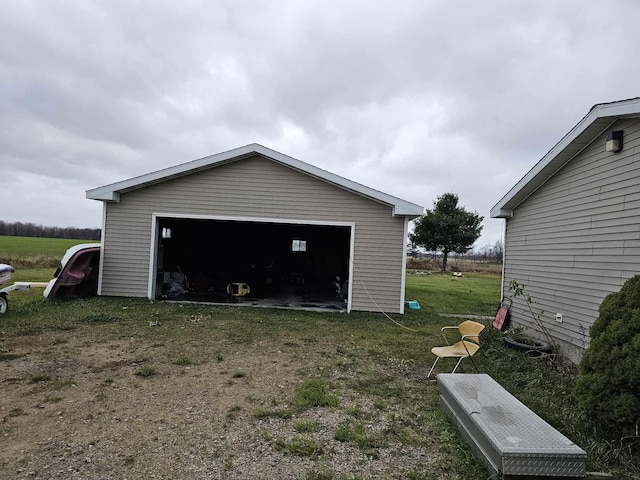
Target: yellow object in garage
{"x":238,"y":289}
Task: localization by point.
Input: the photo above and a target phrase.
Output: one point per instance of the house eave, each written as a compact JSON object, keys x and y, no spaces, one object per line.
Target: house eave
{"x":597,"y":121}
{"x":501,"y":213}
{"x":103,"y":195}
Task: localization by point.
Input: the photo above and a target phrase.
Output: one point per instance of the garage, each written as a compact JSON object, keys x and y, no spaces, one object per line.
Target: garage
{"x":254,"y":227}
{"x":253,"y":262}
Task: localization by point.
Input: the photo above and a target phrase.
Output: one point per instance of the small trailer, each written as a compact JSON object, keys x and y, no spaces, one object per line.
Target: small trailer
{"x":5,"y":276}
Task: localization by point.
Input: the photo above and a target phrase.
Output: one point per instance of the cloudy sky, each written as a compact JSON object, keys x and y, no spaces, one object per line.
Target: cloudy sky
{"x":414,"y":98}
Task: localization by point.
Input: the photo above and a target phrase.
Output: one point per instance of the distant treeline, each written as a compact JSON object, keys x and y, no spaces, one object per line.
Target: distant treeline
{"x":19,"y":229}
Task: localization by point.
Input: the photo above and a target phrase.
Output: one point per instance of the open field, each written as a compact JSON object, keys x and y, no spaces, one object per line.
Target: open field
{"x":32,"y":252}
{"x":112,"y":388}
{"x":33,"y":247}
{"x":455,"y":264}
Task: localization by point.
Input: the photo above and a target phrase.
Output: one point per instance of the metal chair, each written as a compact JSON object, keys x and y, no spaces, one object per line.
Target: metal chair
{"x":466,"y":347}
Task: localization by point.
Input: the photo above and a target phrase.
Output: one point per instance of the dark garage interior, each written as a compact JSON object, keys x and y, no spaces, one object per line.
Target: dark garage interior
{"x":259,"y":263}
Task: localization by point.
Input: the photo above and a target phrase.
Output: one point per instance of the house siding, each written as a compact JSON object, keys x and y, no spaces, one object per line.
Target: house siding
{"x":256,"y":187}
{"x":577,"y":239}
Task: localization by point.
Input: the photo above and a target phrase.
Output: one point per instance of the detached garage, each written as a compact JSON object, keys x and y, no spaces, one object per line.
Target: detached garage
{"x":254,"y":226}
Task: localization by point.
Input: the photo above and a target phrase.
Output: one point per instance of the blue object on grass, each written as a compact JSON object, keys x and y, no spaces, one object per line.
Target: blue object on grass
{"x":413,"y":305}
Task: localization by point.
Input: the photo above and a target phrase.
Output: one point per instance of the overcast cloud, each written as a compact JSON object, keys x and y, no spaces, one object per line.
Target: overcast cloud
{"x":413,"y":98}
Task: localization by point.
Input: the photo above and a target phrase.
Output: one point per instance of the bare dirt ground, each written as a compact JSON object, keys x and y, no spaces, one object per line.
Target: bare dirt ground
{"x":77,"y":405}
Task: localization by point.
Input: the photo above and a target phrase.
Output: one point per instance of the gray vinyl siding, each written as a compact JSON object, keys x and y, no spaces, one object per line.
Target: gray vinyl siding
{"x":256,"y":187}
{"x":577,"y":239}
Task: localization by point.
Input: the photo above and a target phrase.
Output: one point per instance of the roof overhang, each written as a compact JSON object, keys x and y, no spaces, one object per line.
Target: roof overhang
{"x":112,"y":192}
{"x":599,"y":119}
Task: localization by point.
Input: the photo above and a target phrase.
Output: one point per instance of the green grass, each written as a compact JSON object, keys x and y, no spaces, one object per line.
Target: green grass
{"x":356,"y":433}
{"x":299,"y":447}
{"x":32,"y":252}
{"x":474,"y":293}
{"x":32,"y":274}
{"x":33,"y":246}
{"x":313,"y":394}
{"x":305,"y":426}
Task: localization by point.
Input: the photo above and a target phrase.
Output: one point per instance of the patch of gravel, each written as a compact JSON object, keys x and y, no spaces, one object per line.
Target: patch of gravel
{"x":96,"y":419}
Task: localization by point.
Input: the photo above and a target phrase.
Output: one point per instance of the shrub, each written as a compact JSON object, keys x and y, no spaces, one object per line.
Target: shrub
{"x":608,"y":384}
{"x":424,"y":264}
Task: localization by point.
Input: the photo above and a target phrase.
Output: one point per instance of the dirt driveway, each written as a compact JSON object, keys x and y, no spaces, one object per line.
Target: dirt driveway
{"x":195,"y":398}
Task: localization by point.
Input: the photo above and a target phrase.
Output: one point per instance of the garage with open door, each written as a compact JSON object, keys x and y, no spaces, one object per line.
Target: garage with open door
{"x":267,"y":263}
{"x":252,"y":226}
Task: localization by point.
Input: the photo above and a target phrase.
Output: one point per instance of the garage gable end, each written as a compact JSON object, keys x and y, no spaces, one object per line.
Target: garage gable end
{"x":112,"y":192}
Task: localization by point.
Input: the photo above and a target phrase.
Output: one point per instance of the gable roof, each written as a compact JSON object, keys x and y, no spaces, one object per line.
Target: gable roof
{"x":112,"y":192}
{"x":600,"y":118}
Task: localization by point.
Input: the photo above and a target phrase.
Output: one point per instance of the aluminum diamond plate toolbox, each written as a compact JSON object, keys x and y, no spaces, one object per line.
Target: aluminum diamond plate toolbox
{"x":506,"y":435}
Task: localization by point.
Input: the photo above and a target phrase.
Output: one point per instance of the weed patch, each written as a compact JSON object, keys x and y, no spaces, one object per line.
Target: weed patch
{"x":356,"y":433}
{"x":319,"y":475}
{"x":299,"y":447}
{"x":305,"y":426}
{"x":39,"y":378}
{"x":313,"y":394}
{"x":146,"y":371}
{"x":182,"y":361}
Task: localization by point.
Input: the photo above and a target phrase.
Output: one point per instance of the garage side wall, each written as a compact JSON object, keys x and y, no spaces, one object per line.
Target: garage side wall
{"x":577,"y":239}
{"x":259,"y":188}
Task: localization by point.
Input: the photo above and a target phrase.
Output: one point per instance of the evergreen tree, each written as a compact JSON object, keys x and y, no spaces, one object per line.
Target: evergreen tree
{"x":447,"y":228}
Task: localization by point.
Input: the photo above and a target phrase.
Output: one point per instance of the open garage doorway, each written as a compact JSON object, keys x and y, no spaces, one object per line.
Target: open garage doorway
{"x":253,"y":262}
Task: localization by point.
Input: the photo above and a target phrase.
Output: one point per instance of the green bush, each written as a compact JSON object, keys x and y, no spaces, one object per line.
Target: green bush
{"x":608,"y":384}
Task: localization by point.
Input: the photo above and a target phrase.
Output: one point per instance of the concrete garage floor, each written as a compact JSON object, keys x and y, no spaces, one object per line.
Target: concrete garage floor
{"x":287,"y":300}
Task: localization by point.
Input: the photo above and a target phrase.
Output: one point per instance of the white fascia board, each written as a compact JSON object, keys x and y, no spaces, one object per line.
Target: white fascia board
{"x":618,"y":109}
{"x":111,"y":192}
{"x":611,"y":110}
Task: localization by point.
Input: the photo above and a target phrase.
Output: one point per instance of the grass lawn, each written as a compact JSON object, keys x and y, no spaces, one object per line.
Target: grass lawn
{"x":474,"y":293}
{"x":117,"y":387}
